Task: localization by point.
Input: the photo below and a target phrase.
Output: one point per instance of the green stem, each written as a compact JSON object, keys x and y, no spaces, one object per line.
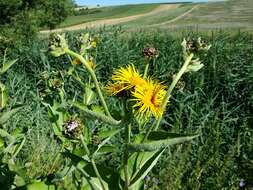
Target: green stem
{"x":93,"y":75}
{"x":172,"y":86}
{"x":126,"y":155}
{"x":146,"y":71}
{"x":88,"y":178}
{"x":93,"y":163}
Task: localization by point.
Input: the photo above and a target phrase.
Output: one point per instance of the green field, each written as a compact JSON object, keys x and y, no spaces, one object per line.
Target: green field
{"x":227,"y":15}
{"x":109,"y":13}
{"x":158,"y":18}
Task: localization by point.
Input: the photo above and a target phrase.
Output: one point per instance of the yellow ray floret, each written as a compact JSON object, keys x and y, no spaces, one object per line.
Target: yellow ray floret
{"x":125,"y":79}
{"x":148,"y":99}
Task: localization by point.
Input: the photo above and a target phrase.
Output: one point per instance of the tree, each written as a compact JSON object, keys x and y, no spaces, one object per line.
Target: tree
{"x":21,"y":19}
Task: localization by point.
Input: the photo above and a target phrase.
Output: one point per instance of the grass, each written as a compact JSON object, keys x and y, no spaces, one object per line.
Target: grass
{"x":109,"y":13}
{"x":216,"y":102}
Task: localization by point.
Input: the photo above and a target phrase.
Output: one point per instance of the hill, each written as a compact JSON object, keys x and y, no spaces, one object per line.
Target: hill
{"x":227,"y":14}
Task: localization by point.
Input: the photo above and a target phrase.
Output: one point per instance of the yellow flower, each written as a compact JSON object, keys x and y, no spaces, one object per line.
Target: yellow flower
{"x":76,"y":62}
{"x":125,"y":79}
{"x":148,"y":99}
{"x":115,"y":88}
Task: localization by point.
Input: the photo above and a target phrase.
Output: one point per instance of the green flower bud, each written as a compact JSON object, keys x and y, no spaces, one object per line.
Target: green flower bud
{"x":57,"y":44}
{"x":194,"y":45}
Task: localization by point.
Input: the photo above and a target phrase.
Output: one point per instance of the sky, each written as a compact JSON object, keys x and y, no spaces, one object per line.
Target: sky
{"x":120,"y":2}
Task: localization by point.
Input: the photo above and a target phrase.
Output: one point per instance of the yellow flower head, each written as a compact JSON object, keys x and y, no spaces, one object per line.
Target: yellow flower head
{"x":125,"y":79}
{"x":148,"y":99}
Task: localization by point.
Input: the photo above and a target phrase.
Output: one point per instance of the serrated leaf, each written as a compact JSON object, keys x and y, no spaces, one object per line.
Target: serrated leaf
{"x":158,"y":140}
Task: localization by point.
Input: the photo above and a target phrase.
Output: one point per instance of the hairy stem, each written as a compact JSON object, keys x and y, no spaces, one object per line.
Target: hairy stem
{"x":172,"y":86}
{"x":93,"y":75}
{"x":93,"y":163}
{"x":126,"y":155}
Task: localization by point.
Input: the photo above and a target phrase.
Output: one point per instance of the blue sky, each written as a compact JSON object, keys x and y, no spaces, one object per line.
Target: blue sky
{"x":119,"y":2}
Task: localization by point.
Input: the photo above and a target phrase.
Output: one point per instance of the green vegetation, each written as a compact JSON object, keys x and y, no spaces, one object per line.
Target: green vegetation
{"x":110,"y":12}
{"x":20,"y":20}
{"x":216,"y":102}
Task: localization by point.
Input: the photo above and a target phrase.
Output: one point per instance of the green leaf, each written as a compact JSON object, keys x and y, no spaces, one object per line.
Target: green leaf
{"x":89,"y":96}
{"x":194,"y":66}
{"x":109,"y":133}
{"x":106,"y":135}
{"x":3,"y":96}
{"x":1,"y":142}
{"x":106,"y":149}
{"x":145,"y":169}
{"x":7,"y":65}
{"x":7,"y":115}
{"x":158,"y":140}
{"x":95,"y":115}
{"x":19,"y":181}
{"x":40,"y":186}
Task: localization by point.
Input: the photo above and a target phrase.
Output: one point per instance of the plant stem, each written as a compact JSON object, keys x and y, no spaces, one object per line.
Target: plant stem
{"x":93,"y":75}
{"x":126,"y":154}
{"x":146,"y":71}
{"x":93,"y":163}
{"x":172,"y":86}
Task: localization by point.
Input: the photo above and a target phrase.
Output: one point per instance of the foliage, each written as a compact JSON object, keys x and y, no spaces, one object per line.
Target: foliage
{"x":20,"y":19}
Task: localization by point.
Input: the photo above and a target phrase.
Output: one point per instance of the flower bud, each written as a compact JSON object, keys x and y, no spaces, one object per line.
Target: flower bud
{"x":73,"y":127}
{"x":86,"y":42}
{"x":195,"y":45}
{"x":57,"y":44}
{"x":150,"y":52}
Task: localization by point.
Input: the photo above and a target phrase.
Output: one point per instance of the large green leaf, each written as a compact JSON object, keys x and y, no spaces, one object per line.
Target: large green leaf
{"x":159,"y":140}
{"x":106,"y":136}
{"x":145,"y":169}
{"x":40,"y":186}
{"x":95,"y":115}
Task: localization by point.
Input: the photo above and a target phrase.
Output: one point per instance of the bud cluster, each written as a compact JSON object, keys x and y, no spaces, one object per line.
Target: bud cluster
{"x":150,"y":52}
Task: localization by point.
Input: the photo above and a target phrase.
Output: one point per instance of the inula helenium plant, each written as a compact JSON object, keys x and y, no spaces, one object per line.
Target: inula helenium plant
{"x":143,"y":100}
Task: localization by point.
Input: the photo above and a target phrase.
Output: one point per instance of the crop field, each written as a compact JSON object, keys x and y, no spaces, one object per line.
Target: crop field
{"x":227,"y":15}
{"x":109,"y":13}
{"x":216,"y":103}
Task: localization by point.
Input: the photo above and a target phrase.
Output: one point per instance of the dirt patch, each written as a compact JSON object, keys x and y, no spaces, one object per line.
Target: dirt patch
{"x":107,"y":22}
